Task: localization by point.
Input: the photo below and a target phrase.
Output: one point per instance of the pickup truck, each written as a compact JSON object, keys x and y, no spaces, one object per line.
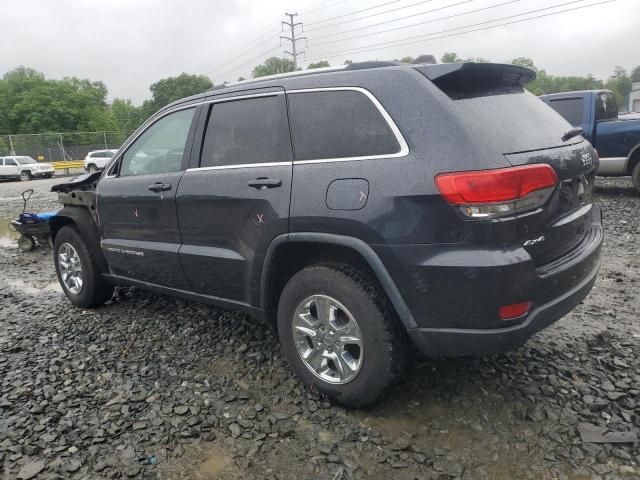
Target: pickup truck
{"x":616,"y":139}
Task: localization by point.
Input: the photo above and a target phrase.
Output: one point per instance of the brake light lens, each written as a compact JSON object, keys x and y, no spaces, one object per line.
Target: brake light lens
{"x":502,"y":191}
{"x":515,"y":310}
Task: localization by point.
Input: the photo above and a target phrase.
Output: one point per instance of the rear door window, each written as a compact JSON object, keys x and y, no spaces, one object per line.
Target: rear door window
{"x":572,"y":109}
{"x":247,"y":131}
{"x":337,"y":124}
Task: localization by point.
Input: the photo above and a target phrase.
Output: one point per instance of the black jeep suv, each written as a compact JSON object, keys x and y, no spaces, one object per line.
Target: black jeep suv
{"x":359,"y":208}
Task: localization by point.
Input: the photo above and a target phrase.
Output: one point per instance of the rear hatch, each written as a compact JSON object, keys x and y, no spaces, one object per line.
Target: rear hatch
{"x":493,"y":107}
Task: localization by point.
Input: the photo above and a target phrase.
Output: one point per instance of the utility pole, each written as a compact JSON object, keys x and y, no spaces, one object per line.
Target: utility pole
{"x":292,"y":26}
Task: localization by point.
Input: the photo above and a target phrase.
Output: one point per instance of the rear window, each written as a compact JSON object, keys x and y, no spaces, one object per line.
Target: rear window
{"x":606,"y":108}
{"x":572,"y":109}
{"x":338,"y":124}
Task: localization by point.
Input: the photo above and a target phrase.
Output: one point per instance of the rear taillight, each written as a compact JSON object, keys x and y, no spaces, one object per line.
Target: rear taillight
{"x":502,"y":191}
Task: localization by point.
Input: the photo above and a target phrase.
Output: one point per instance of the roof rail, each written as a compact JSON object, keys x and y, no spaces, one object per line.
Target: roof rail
{"x":313,"y":71}
{"x":286,"y":75}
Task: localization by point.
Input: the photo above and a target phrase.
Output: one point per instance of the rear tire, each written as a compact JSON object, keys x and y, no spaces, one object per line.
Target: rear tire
{"x":358,"y":308}
{"x":93,"y":290}
{"x":635,"y":176}
{"x":25,"y":176}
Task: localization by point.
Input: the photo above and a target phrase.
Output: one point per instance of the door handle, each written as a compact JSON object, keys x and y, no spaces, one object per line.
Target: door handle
{"x":159,"y":187}
{"x":263,"y":182}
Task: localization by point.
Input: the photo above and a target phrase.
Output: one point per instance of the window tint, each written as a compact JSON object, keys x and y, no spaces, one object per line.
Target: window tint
{"x":570,"y":108}
{"x":160,"y":148}
{"x":338,"y":124}
{"x":10,"y":162}
{"x":254,"y":130}
{"x":606,"y":108}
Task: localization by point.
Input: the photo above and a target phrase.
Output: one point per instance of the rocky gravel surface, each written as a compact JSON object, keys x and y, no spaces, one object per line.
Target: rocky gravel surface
{"x":154,"y":387}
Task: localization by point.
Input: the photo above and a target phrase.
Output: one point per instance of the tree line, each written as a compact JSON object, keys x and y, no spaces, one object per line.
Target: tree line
{"x":31,"y":103}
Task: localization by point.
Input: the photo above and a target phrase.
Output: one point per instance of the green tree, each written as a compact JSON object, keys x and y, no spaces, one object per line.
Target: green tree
{"x":524,"y":62}
{"x":127,"y":116}
{"x":450,"y":57}
{"x":170,"y":89}
{"x":33,"y":104}
{"x":635,"y":74}
{"x":620,"y":85}
{"x":320,"y":64}
{"x":273,"y":66}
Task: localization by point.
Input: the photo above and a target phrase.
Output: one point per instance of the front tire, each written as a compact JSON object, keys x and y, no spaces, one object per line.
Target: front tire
{"x":77,"y":272}
{"x":25,"y":176}
{"x":93,"y":169}
{"x":635,"y":176}
{"x":340,"y":335}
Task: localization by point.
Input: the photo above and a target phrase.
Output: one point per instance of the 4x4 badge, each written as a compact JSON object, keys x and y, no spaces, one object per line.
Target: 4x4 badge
{"x":533,"y":241}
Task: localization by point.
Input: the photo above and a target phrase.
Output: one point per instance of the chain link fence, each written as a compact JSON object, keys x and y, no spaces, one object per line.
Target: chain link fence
{"x":56,"y":147}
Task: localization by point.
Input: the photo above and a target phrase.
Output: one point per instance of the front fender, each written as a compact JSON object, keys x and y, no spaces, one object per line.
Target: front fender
{"x":81,"y":218}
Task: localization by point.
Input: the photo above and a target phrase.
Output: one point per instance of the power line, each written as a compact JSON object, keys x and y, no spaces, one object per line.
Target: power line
{"x":353,"y":13}
{"x":257,"y":57}
{"x":372,"y":15}
{"x":395,"y":43}
{"x":412,"y":24}
{"x":212,"y":68}
{"x":323,"y":5}
{"x":398,"y":19}
{"x":236,"y":56}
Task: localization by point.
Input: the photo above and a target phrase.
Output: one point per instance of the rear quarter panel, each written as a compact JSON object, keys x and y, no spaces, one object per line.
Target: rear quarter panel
{"x":403,"y":204}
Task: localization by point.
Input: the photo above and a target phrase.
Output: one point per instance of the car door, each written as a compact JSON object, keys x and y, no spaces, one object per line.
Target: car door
{"x":10,"y":168}
{"x":235,"y":199}
{"x":136,"y":201}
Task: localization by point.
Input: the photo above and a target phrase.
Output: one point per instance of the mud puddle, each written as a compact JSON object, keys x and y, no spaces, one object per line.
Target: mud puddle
{"x":8,"y":235}
{"x":200,"y":463}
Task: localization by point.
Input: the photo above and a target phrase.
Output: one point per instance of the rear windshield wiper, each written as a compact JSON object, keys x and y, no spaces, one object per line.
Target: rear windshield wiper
{"x":574,"y":132}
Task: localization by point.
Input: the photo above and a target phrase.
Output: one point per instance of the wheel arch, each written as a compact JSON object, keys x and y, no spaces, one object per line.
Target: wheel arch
{"x":84,"y":222}
{"x":633,"y":159}
{"x":289,"y":253}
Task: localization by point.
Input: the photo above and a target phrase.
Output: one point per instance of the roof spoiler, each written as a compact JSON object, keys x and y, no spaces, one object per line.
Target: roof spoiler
{"x":468,"y":80}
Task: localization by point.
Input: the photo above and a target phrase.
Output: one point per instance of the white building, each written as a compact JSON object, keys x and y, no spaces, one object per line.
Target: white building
{"x":634,"y":97}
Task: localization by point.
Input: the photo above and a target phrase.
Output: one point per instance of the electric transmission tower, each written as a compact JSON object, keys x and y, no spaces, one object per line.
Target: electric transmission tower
{"x":293,"y":39}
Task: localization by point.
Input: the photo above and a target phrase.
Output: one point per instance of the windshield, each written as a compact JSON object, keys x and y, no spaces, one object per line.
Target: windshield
{"x":25,"y":160}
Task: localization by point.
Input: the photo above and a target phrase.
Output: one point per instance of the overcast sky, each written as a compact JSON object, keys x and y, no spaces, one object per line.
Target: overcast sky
{"x":129,"y":44}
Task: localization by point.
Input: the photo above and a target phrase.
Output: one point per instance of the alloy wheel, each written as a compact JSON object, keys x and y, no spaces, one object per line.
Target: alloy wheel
{"x":70,"y":268}
{"x":328,"y":339}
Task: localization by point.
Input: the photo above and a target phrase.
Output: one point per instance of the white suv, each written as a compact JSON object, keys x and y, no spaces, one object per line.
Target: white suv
{"x":98,"y":159}
{"x":24,"y":168}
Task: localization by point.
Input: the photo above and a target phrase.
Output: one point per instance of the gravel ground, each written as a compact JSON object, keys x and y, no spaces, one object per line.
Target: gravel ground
{"x":154,"y":387}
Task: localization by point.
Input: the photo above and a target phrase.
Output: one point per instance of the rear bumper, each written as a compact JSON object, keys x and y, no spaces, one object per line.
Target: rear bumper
{"x":443,"y":342}
{"x":455,"y":292}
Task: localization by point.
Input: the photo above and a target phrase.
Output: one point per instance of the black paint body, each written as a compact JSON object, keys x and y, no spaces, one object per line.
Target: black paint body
{"x":213,"y":237}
